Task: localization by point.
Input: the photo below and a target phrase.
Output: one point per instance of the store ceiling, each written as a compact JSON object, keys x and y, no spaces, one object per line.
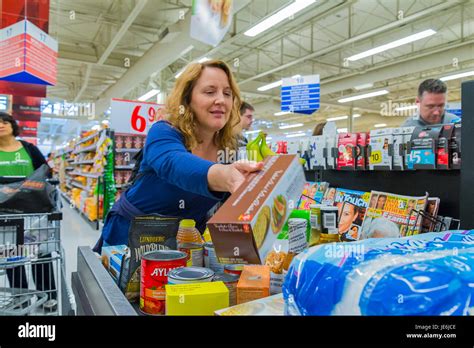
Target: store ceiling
{"x":98,"y":38}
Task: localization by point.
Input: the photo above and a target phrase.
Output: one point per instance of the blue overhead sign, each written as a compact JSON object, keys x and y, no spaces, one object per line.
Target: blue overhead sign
{"x":300,"y":94}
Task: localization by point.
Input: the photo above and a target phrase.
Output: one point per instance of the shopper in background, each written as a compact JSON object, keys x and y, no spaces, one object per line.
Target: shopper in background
{"x":318,"y":129}
{"x":17,"y":157}
{"x":431,"y":101}
{"x":179,"y":174}
{"x":246,"y":120}
{"x":20,"y":158}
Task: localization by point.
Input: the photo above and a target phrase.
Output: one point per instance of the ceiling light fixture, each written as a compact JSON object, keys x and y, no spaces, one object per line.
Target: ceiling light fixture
{"x":457,"y":76}
{"x":363,"y":96}
{"x":295,"y":125}
{"x":288,"y":11}
{"x":270,"y":86}
{"x":364,"y":86}
{"x":296,"y":135}
{"x":380,"y":125}
{"x":281,"y":113}
{"x":149,"y":94}
{"x":393,"y":44}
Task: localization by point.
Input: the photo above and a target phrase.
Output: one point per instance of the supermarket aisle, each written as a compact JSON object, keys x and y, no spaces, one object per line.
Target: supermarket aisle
{"x":75,"y":232}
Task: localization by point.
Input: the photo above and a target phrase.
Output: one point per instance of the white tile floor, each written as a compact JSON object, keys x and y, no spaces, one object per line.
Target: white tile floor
{"x":75,"y":232}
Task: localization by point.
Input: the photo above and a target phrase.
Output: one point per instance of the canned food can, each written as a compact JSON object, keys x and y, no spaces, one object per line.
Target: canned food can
{"x":234,"y":269}
{"x":195,"y":254}
{"x":188,"y":275}
{"x":210,"y":259}
{"x":230,"y":280}
{"x":155,"y":266}
{"x":297,"y":235}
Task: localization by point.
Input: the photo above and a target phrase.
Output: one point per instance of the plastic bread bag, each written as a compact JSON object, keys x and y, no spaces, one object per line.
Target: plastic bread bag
{"x":389,"y":276}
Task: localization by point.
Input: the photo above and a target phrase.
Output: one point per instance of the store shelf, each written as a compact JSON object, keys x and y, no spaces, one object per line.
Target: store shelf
{"x":88,"y":189}
{"x":89,"y":137}
{"x":87,"y":175}
{"x":127,"y":150}
{"x":87,"y":149}
{"x":83,"y":162}
{"x":124,"y":167}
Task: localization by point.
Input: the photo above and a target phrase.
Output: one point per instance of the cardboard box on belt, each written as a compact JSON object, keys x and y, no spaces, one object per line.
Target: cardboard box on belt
{"x":254,"y":283}
{"x":244,"y":229}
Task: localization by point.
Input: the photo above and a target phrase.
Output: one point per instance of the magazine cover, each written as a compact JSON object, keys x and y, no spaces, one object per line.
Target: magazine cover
{"x":432,"y":208}
{"x":329,"y":196}
{"x":313,"y":193}
{"x":390,"y":215}
{"x":352,"y":207}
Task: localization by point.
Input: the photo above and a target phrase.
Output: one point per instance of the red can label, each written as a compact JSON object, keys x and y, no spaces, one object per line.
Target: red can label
{"x":154,"y":277}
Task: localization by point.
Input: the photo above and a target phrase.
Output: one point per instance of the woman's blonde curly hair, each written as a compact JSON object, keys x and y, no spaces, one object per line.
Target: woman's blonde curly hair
{"x":179,"y":112}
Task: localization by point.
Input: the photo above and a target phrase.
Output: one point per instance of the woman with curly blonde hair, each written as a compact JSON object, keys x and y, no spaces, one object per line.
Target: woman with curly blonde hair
{"x":179,"y":174}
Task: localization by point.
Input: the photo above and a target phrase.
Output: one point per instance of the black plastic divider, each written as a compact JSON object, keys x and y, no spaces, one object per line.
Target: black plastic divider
{"x":445,"y":184}
{"x":467,"y":169}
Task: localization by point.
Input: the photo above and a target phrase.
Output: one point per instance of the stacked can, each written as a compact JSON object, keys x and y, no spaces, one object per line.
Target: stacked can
{"x":297,"y":240}
{"x":210,"y":258}
{"x":230,"y":280}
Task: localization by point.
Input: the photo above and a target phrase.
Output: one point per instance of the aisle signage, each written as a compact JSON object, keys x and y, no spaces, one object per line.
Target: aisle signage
{"x":130,"y":116}
{"x":300,"y":94}
{"x":210,"y":20}
{"x":27,"y":54}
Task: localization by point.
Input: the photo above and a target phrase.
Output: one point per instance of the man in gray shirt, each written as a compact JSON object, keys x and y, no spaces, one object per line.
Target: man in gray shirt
{"x":431,"y":101}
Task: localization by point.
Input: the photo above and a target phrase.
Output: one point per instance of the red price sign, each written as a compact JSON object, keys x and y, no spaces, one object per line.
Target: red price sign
{"x":134,"y":117}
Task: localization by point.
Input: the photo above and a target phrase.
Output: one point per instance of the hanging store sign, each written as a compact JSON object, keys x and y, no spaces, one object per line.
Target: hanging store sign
{"x":130,"y":116}
{"x":28,"y":54}
{"x":300,"y":94}
{"x":210,"y":20}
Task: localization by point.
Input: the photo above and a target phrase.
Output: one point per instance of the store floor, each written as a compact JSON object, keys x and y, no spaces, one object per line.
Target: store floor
{"x":75,"y":232}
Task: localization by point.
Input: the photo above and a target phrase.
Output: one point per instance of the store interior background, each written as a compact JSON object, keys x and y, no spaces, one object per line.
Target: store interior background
{"x":124,"y":49}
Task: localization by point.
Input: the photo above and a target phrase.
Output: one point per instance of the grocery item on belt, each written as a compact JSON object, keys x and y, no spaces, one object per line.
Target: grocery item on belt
{"x":427,"y":274}
{"x":155,"y":268}
{"x":234,"y":269}
{"x":196,"y":298}
{"x":244,"y":228}
{"x":230,"y":280}
{"x":210,"y":258}
{"x":112,"y":258}
{"x":271,"y":305}
{"x":254,"y":283}
{"x":186,"y":275}
{"x":195,"y":252}
{"x":147,"y":233}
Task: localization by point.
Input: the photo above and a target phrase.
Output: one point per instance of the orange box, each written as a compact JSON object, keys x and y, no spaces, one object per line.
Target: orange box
{"x":254,"y":283}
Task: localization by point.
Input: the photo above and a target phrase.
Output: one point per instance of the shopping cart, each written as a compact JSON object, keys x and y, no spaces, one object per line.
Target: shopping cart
{"x":32,"y":266}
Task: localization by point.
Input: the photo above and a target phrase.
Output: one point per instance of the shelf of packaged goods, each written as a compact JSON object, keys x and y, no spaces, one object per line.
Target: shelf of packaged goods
{"x":69,"y":168}
{"x":87,"y":175}
{"x":75,"y":184}
{"x":126,"y":150}
{"x":83,"y":162}
{"x":89,"y":137}
{"x":124,"y":167}
{"x":86,"y":149}
{"x":69,"y":186}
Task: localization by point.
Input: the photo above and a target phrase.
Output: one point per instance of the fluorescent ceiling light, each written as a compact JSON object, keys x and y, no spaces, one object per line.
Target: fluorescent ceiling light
{"x":281,"y":113}
{"x":296,"y":76}
{"x":278,"y":17}
{"x":457,"y":76}
{"x":269,"y":138}
{"x":204,"y":59}
{"x":393,"y":44}
{"x":294,"y":135}
{"x":253,"y":131}
{"x":337,"y":118}
{"x":149,"y":94}
{"x":363,"y":96}
{"x":179,"y":73}
{"x":356,"y":115}
{"x":411,"y":107}
{"x":270,"y":86}
{"x":342,"y":130}
{"x":364,"y":86}
{"x":380,"y":125}
{"x":295,"y":125}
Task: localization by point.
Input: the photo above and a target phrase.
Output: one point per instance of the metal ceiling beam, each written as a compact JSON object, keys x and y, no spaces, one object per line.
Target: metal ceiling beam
{"x":432,"y":10}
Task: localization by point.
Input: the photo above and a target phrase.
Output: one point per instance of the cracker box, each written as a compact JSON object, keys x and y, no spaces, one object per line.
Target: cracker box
{"x":272,"y":305}
{"x":196,"y":298}
{"x":317,"y":144}
{"x":244,"y":228}
{"x":346,"y":148}
{"x":254,"y":283}
{"x":381,"y":146}
{"x":112,"y":258}
{"x":443,"y":156}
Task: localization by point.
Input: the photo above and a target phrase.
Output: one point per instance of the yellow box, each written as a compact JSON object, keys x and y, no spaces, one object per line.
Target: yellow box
{"x":196,"y":298}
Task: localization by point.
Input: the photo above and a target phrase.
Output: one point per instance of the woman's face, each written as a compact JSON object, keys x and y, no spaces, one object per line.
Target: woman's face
{"x":348,"y":216}
{"x":211,"y":99}
{"x":6,"y":129}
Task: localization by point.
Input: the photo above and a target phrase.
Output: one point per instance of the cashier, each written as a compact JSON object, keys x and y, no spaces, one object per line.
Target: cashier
{"x":179,"y":174}
{"x":431,"y":101}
